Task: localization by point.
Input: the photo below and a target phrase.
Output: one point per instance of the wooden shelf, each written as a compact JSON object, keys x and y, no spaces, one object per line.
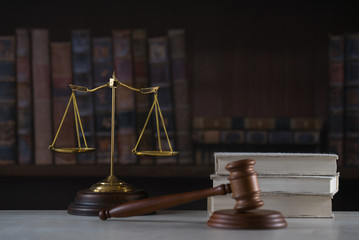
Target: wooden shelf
{"x":152,"y":171}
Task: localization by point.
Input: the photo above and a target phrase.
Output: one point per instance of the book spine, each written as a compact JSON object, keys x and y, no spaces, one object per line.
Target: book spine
{"x":306,"y":123}
{"x":160,"y":76}
{"x":82,"y":75}
{"x":259,"y":123}
{"x":7,"y":100}
{"x":281,"y":137}
{"x":256,"y":137}
{"x":41,"y":95}
{"x":143,"y":103}
{"x":181,"y":95}
{"x":103,"y":70}
{"x":61,"y":75}
{"x":352,"y":100}
{"x":125,"y":102}
{"x":336,"y":96}
{"x":24,"y":98}
{"x":232,"y":137}
{"x":307,"y":137}
{"x":223,"y":123}
{"x":243,"y":123}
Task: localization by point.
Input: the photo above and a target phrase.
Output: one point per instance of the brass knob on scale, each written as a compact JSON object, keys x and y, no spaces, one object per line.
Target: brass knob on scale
{"x":111,"y":191}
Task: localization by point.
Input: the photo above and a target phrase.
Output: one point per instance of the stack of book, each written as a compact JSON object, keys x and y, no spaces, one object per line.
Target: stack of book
{"x":296,"y":184}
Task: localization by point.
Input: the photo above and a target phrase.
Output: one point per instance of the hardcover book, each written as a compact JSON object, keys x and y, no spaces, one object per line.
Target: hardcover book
{"x":281,"y":163}
{"x":7,"y":101}
{"x":125,"y":101}
{"x":61,"y":73}
{"x":352,"y":100}
{"x":289,"y":184}
{"x":25,"y":144}
{"x":102,"y":70}
{"x":182,"y":109}
{"x":336,"y":95}
{"x":160,"y":76}
{"x":290,"y":205}
{"x":82,"y":75}
{"x":216,"y":123}
{"x":143,"y":101}
{"x":41,"y":86}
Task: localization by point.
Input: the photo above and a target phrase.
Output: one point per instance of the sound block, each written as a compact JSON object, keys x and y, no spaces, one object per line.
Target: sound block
{"x":254,"y":219}
{"x":89,"y":203}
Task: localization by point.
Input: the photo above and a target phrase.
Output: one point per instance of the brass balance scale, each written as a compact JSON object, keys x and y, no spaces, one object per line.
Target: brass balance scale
{"x":111,"y":191}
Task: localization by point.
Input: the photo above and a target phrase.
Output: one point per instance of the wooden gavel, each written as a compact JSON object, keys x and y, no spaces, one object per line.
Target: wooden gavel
{"x":243,"y":186}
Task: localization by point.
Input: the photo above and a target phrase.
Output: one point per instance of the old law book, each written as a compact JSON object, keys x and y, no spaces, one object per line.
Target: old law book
{"x":351,"y":151}
{"x":125,"y":101}
{"x":82,"y":75}
{"x":181,"y":95}
{"x":288,"y":184}
{"x":24,"y":98}
{"x":143,"y":101}
{"x":281,"y":163}
{"x":41,"y":86}
{"x":290,"y":205}
{"x":336,"y":95}
{"x":61,"y":76}
{"x":7,"y":100}
{"x":102,"y":72}
{"x":160,"y":76}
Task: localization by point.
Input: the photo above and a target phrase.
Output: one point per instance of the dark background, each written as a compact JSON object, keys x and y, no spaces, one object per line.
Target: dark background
{"x":246,"y":58}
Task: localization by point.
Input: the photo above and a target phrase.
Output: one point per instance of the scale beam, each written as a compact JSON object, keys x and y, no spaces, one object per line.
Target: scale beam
{"x":111,"y":183}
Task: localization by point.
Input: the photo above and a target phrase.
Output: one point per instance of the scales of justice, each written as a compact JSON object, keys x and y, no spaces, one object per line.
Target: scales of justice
{"x":111,"y":191}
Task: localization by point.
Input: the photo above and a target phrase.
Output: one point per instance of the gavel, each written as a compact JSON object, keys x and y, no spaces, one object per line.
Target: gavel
{"x":243,"y":186}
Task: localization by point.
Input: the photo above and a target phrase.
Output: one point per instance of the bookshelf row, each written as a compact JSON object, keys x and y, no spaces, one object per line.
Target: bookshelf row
{"x":137,"y":171}
{"x":35,"y":74}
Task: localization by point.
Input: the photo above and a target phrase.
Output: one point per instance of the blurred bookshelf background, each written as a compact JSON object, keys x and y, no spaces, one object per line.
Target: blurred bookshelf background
{"x":234,"y":76}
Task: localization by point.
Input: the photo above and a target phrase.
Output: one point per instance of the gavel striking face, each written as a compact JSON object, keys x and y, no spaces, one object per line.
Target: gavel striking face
{"x":243,"y":186}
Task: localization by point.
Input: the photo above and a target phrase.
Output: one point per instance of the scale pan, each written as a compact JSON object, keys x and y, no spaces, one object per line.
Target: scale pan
{"x":72,"y":150}
{"x":157,"y":153}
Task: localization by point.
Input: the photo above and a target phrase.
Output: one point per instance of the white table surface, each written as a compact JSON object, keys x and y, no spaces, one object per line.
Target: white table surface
{"x":191,"y":225}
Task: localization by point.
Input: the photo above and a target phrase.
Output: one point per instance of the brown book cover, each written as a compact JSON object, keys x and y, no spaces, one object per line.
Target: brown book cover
{"x":181,"y":94}
{"x":143,"y":101}
{"x":7,"y":101}
{"x":61,"y":75}
{"x":41,"y":95}
{"x":207,"y":136}
{"x":24,"y":98}
{"x":160,"y":76}
{"x":82,"y":75}
{"x":336,"y":96}
{"x":125,"y":101}
{"x":212,"y":123}
{"x":351,"y":117}
{"x":306,"y":123}
{"x":102,"y":72}
{"x":259,"y":123}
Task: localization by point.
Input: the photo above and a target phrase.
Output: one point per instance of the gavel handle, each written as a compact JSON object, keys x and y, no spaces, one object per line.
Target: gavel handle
{"x":148,"y":205}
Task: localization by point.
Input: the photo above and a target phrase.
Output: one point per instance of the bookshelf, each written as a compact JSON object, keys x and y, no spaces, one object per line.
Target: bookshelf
{"x":244,"y":59}
{"x":136,"y":171}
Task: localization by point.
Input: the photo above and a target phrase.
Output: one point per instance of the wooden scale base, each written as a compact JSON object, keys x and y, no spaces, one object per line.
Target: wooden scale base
{"x":253,"y":219}
{"x":89,"y":203}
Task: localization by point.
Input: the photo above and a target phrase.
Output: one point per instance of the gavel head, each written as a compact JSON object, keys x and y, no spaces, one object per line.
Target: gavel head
{"x":244,"y":185}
